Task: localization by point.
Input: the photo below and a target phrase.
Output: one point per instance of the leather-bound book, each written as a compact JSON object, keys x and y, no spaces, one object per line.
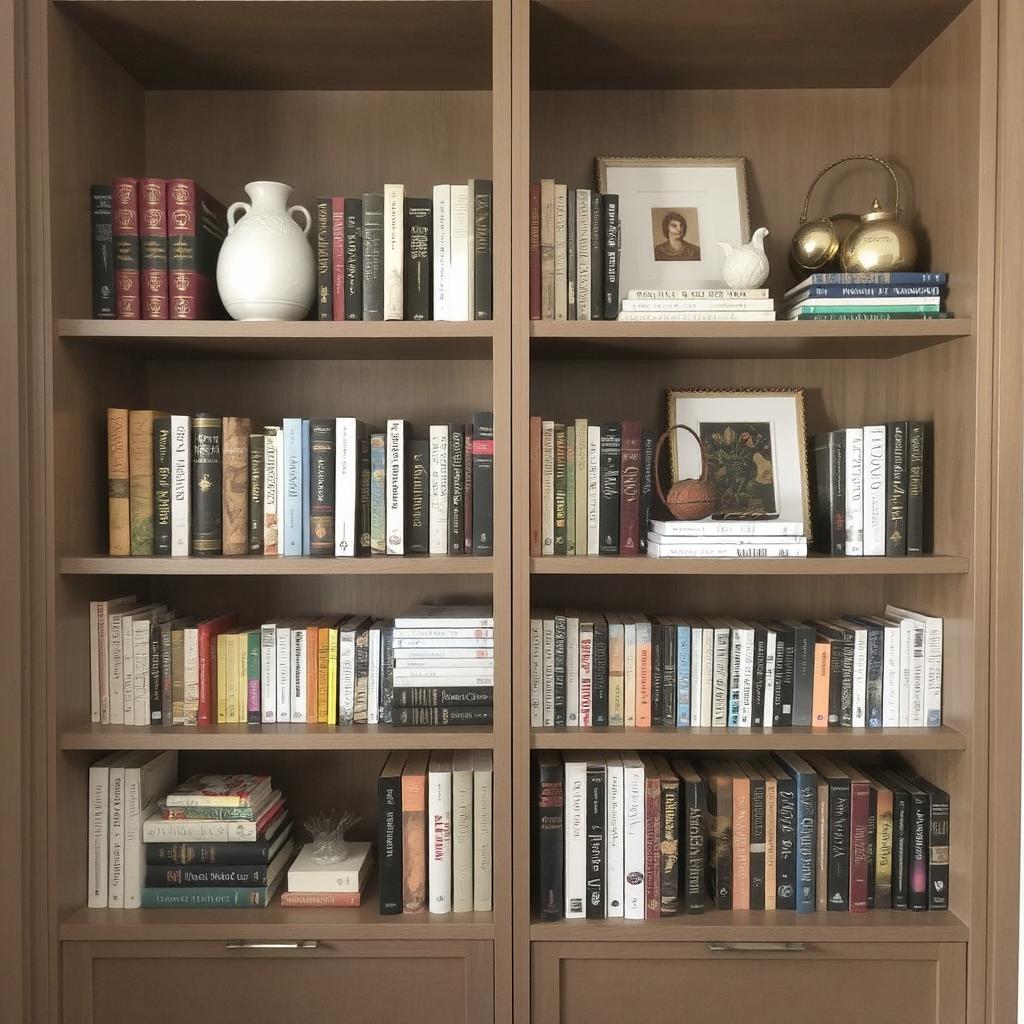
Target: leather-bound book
{"x":236,"y":485}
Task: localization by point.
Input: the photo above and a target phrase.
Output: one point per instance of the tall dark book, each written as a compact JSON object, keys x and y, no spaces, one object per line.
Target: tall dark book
{"x":572,"y":297}
{"x":803,"y":670}
{"x":901,"y":835}
{"x":561,"y":497}
{"x":364,"y":509}
{"x":872,"y":843}
{"x":456,"y":489}
{"x":321,"y":486}
{"x":535,"y":286}
{"x":353,"y":257}
{"x":759,"y":675}
{"x":608,"y":495}
{"x":860,"y":811}
{"x":417,"y":525}
{"x":196,"y":228}
{"x":830,"y":492}
{"x":419,"y":225}
{"x":785,"y":833}
{"x":657,"y":671}
{"x":692,"y":837}
{"x":647,"y":442}
{"x":805,"y":782}
{"x":610,"y":266}
{"x":482,"y":191}
{"x":389,"y":833}
{"x":126,"y":248}
{"x":630,"y":484}
{"x":783,"y":693}
{"x":596,"y":259}
{"x":373,"y":256}
{"x":758,"y":837}
{"x":599,"y":685}
{"x":896,"y":488}
{"x":837,"y":894}
{"x":101,"y":209}
{"x":483,"y":483}
{"x":595,"y":826}
{"x":257,"y":450}
{"x":548,"y":832}
{"x":162,"y":485}
{"x":938,"y":844}
{"x":207,"y":485}
{"x":560,"y":667}
{"x":917,"y":485}
{"x":324,"y":277}
{"x":156,"y":707}
{"x":153,"y":248}
{"x":467,"y":489}
{"x":718,"y":781}
{"x":670,"y":815}
{"x":668,"y":674}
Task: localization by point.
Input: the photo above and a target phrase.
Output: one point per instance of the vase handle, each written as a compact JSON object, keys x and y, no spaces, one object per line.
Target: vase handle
{"x":232,"y":209}
{"x":305,"y":213}
{"x":657,"y":457}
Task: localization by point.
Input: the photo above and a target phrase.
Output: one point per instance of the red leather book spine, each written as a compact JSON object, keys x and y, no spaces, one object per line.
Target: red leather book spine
{"x":181,"y":246}
{"x":630,"y":474}
{"x":535,"y":251}
{"x":652,"y":842}
{"x":153,"y":248}
{"x":125,"y":232}
{"x":338,"y":257}
{"x":208,"y":633}
{"x":860,"y":806}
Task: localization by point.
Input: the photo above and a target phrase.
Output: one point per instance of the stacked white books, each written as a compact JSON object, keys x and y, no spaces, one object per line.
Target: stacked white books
{"x":726,"y":538}
{"x":724,"y":304}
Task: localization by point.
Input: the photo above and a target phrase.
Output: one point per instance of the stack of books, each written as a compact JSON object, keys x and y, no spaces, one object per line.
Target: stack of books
{"x":338,"y":884}
{"x":724,"y":304}
{"x":726,"y":538}
{"x":192,"y":859}
{"x":896,"y":295}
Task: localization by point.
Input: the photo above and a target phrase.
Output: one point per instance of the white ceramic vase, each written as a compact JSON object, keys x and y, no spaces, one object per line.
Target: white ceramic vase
{"x":266,"y":270}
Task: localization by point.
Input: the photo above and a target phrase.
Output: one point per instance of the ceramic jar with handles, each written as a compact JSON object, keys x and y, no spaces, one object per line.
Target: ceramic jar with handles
{"x":266,"y":269}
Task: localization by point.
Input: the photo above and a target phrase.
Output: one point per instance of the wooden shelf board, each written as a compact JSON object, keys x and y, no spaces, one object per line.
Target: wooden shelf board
{"x":762,"y":926}
{"x":813,"y":565}
{"x":275,"y":737}
{"x":304,"y":339}
{"x":257,"y":565}
{"x":690,"y":44}
{"x":834,"y":339}
{"x":793,"y":738}
{"x":294,"y":44}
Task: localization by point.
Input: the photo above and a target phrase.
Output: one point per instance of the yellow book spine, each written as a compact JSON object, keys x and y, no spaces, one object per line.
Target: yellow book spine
{"x":322,"y":681}
{"x":231,"y":674}
{"x":222,"y":678}
{"x":332,"y":676}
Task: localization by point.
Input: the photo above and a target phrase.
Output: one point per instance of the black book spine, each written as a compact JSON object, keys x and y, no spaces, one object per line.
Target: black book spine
{"x":257,"y":448}
{"x":821,"y":506}
{"x":599,"y":685}
{"x":419,"y":226}
{"x":483,"y":483}
{"x":646,"y":486}
{"x":483,"y":247}
{"x":570,"y":255}
{"x":442,"y":718}
{"x":162,"y":485}
{"x":387,"y":674}
{"x":456,"y":489}
{"x":872,"y":840}
{"x":835,"y":682}
{"x":783,"y":696}
{"x":917,"y":896}
{"x":785,"y":845}
{"x":669,"y":847}
{"x":324,"y":282}
{"x":417,"y":526}
{"x":875,"y":670}
{"x":168,"y":876}
{"x":695,"y":848}
{"x":373,"y":256}
{"x":353,"y":259}
{"x":166,"y":702}
{"x":760,"y":670}
{"x":938,"y":849}
{"x":917,"y":454}
{"x":610,"y":235}
{"x":900,"y":847}
{"x":657,"y":673}
{"x":837,"y":487}
{"x":803,"y":674}
{"x":365,"y":509}
{"x":758,"y":838}
{"x":896,"y":489}
{"x":668,"y":676}
{"x":102,"y":211}
{"x":443,"y":697}
{"x":321,"y":487}
{"x":719,"y":795}
{"x":549,"y":817}
{"x":838,"y":893}
{"x":256,"y":852}
{"x":559,"y":691}
{"x":846,"y":698}
{"x":608,"y":509}
{"x":595,"y":840}
{"x":389,"y":843}
{"x":156,"y":706}
{"x":561,"y":473}
{"x":207,"y":485}
{"x":596,"y":259}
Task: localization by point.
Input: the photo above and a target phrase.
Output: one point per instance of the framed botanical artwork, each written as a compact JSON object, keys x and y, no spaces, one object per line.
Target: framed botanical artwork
{"x":672,"y":212}
{"x":755,"y":444}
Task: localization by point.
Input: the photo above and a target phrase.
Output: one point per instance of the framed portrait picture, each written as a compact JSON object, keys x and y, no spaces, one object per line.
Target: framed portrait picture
{"x":672,"y":211}
{"x":755,"y":443}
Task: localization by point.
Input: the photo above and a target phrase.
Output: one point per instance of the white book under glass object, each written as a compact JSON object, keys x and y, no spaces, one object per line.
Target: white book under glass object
{"x":394,"y":498}
{"x":394,"y":251}
{"x":439,"y":833}
{"x":874,"y":490}
{"x":711,"y":529}
{"x":181,"y":490}
{"x":462,"y":237}
{"x":438,"y":518}
{"x":575,"y":839}
{"x":634,"y":853}
{"x":347,"y":875}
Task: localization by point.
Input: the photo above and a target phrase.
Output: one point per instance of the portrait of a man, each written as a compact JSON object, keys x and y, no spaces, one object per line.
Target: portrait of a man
{"x":675,"y":235}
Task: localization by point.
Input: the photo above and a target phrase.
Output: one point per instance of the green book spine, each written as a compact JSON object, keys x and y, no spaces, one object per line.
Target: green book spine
{"x":254,"y":666}
{"x":213,"y":896}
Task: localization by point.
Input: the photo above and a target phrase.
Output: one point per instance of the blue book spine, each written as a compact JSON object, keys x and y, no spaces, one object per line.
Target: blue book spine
{"x":868,"y":291}
{"x":293,"y":487}
{"x":305,"y":487}
{"x":880,"y":277}
{"x":682,"y":677}
{"x":211,"y":896}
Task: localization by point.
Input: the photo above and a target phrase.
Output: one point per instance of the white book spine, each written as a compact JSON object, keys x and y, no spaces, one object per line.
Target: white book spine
{"x":575,"y":839}
{"x":346,"y":487}
{"x":191,"y":703}
{"x":548,"y":636}
{"x":854,"y":491}
{"x":462,"y":839}
{"x":99,"y":836}
{"x":373,"y":679}
{"x":115,"y":894}
{"x":747,"y":679}
{"x":874,"y":490}
{"x":583,"y":268}
{"x":394,"y":251}
{"x":439,"y":533}
{"x":593,"y":490}
{"x":439,"y":842}
{"x":695,"y":305}
{"x":561,"y":278}
{"x":572,"y":671}
{"x":891,"y":677}
{"x":547,"y":486}
{"x":298,"y":696}
{"x":711,"y":315}
{"x":906,"y":670}
{"x":442,"y":244}
{"x":133,"y":849}
{"x":284,"y":675}
{"x":268,"y":672}
{"x":634,"y":862}
{"x":696,"y":660}
{"x":616,"y":671}
{"x":156,"y":830}
{"x":615,"y":826}
{"x":181,"y":487}
{"x":666,"y":531}
{"x":917,"y":660}
{"x":581,"y":485}
{"x":462,"y":235}
{"x":94,"y":661}
{"x":707,"y":677}
{"x":795,"y":548}
{"x":140,"y":670}
{"x":586,"y":670}
{"x":483,"y":798}
{"x":128,"y":670}
{"x":722,"y":673}
{"x":860,"y":678}
{"x":395,"y":496}
{"x":933,"y":672}
{"x":291,"y":523}
{"x":271,"y":479}
{"x":536,"y":674}
{"x":768,"y":712}
{"x":346,"y":677}
{"x":629,"y":674}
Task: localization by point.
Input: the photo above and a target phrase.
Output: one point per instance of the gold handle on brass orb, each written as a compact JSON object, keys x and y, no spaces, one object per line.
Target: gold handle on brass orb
{"x":846,"y":159}
{"x":686,"y":499}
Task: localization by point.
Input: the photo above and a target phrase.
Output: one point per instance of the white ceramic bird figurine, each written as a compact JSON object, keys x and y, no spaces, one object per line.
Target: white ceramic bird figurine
{"x":746,"y":266}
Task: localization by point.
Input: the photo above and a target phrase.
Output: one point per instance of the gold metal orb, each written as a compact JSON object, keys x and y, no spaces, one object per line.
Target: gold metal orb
{"x":816,"y":245}
{"x":880,"y":242}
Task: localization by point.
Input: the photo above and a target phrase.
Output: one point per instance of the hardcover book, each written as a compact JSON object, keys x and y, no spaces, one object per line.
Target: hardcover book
{"x":101,"y":209}
{"x":196,"y":228}
{"x":153,"y":248}
{"x":236,"y":485}
{"x":126,"y":248}
{"x":373,"y":256}
{"x":419,"y":219}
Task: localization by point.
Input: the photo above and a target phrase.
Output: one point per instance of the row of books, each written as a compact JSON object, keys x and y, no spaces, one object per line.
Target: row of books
{"x":642,"y":837}
{"x":151,"y":666}
{"x":574,"y":253}
{"x":888,"y":295}
{"x":872,"y":489}
{"x":701,"y":304}
{"x":435,"y":825}
{"x":210,"y":485}
{"x":591,"y":487}
{"x":626,"y":669}
{"x":726,"y":538}
{"x":391,"y":257}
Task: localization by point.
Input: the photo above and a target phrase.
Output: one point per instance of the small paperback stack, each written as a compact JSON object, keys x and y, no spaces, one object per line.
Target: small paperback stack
{"x":338,"y":884}
{"x":217,"y":841}
{"x":726,"y":538}
{"x":444,"y":666}
{"x":725,"y":304}
{"x":882,"y":296}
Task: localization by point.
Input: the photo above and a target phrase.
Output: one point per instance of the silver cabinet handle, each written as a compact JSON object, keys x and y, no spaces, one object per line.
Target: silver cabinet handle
{"x":248,"y":944}
{"x":756,"y":947}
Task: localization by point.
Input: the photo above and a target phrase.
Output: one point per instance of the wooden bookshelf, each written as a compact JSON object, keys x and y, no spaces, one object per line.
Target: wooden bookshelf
{"x":256,"y":565}
{"x":812,"y":565}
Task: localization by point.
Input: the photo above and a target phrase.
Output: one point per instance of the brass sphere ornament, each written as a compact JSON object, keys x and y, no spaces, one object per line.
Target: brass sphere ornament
{"x":686,"y":499}
{"x":815,"y":247}
{"x":880,"y":242}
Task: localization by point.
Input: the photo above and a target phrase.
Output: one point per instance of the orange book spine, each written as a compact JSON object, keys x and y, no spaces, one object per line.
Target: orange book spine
{"x":643,"y":678}
{"x":118,"y":481}
{"x":323,"y":662}
{"x":536,"y":541}
{"x":741,"y":843}
{"x":771,"y":841}
{"x":414,"y":844}
{"x":312,"y":674}
{"x":819,"y":695}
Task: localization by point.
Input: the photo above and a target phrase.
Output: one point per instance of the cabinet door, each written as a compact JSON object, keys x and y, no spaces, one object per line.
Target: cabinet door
{"x":374,"y":982}
{"x":669,"y":982}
